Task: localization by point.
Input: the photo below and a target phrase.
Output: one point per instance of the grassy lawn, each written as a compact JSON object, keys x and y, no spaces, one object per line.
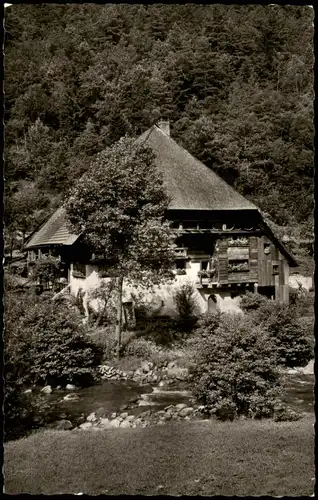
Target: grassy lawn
{"x":179,"y":458}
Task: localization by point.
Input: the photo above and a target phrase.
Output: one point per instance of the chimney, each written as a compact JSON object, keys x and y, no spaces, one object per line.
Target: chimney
{"x":164,"y":125}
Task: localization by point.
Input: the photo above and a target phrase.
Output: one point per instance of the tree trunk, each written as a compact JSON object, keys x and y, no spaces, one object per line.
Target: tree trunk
{"x":119,"y":313}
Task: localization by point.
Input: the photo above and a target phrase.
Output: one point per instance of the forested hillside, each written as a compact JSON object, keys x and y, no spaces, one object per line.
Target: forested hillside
{"x":236,"y":83}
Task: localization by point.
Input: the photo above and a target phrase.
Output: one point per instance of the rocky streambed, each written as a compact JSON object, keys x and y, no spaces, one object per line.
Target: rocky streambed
{"x":146,"y":396}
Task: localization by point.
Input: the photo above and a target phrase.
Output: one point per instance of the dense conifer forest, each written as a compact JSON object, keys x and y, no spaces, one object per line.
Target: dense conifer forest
{"x":236,"y":83}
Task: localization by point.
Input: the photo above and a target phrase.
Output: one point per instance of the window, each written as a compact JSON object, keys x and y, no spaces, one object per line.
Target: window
{"x":79,"y":270}
{"x":180,"y":264}
{"x":275,"y":269}
{"x":204,"y":265}
{"x":267,"y":248}
{"x":31,"y":255}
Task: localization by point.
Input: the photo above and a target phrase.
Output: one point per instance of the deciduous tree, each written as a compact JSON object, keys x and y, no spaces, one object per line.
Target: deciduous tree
{"x":119,"y":206}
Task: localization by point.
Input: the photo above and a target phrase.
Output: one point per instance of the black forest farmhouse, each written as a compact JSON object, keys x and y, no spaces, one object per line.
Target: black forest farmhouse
{"x":225,"y":247}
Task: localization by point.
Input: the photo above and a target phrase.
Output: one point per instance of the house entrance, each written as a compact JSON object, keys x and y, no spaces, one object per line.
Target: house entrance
{"x":268,"y":291}
{"x":212,"y":305}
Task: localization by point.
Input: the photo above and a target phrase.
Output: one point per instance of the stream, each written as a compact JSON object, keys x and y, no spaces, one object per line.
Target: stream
{"x":113,"y":396}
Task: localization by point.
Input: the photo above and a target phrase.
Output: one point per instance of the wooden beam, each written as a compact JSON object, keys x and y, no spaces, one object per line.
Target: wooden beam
{"x":236,"y":232}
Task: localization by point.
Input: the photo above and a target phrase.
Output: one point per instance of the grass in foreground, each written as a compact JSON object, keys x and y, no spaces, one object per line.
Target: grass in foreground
{"x":179,"y":458}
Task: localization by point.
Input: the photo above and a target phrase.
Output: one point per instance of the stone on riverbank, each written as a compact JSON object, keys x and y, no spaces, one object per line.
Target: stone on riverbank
{"x":62,"y":425}
{"x":115,"y":423}
{"x":86,"y":425}
{"x":91,"y":417}
{"x":100,"y":412}
{"x":146,"y":366}
{"x":125,"y":424}
{"x":180,"y":406}
{"x":47,"y":389}
{"x":71,"y":397}
{"x":70,"y":387}
{"x":186,"y":411}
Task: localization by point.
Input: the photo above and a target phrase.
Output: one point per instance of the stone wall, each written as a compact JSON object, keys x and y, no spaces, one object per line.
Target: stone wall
{"x":147,"y":373}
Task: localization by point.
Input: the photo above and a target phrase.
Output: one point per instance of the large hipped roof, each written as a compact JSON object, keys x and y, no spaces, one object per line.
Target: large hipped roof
{"x":190,"y":184}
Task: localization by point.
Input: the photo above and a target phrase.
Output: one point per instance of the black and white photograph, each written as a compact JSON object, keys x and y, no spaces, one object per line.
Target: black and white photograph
{"x":158,"y":268}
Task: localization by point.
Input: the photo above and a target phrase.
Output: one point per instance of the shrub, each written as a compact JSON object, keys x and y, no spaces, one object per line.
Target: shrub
{"x":19,"y":268}
{"x":252,"y":301}
{"x":235,"y":371}
{"x":141,"y":348}
{"x":19,"y":410}
{"x":44,"y":342}
{"x":304,"y":302}
{"x":292,"y":336}
{"x":207,"y":324}
{"x":107,"y":311}
{"x":17,"y":339}
{"x":293,"y":296}
{"x":47,"y":270}
{"x":51,"y":344}
{"x":164,"y":330}
{"x":60,"y":351}
{"x":290,"y":327}
{"x":185,"y":301}
{"x":284,"y":413}
{"x":159,"y":329}
{"x":105,"y":338}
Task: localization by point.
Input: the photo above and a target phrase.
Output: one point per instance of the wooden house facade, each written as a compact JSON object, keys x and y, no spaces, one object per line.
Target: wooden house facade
{"x":224,"y":246}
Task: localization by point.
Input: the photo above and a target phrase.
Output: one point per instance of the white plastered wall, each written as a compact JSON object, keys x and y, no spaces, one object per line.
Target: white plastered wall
{"x":160,"y":299}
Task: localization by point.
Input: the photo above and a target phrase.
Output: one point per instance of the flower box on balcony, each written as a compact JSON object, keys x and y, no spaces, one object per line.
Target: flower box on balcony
{"x":238,"y":267}
{"x":238,"y":242}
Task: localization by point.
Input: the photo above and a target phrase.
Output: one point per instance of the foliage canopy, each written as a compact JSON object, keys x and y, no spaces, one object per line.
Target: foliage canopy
{"x":119,"y":207}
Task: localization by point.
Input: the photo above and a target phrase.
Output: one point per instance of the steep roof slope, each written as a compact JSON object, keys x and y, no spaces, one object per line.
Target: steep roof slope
{"x":53,"y":232}
{"x":191,"y":184}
